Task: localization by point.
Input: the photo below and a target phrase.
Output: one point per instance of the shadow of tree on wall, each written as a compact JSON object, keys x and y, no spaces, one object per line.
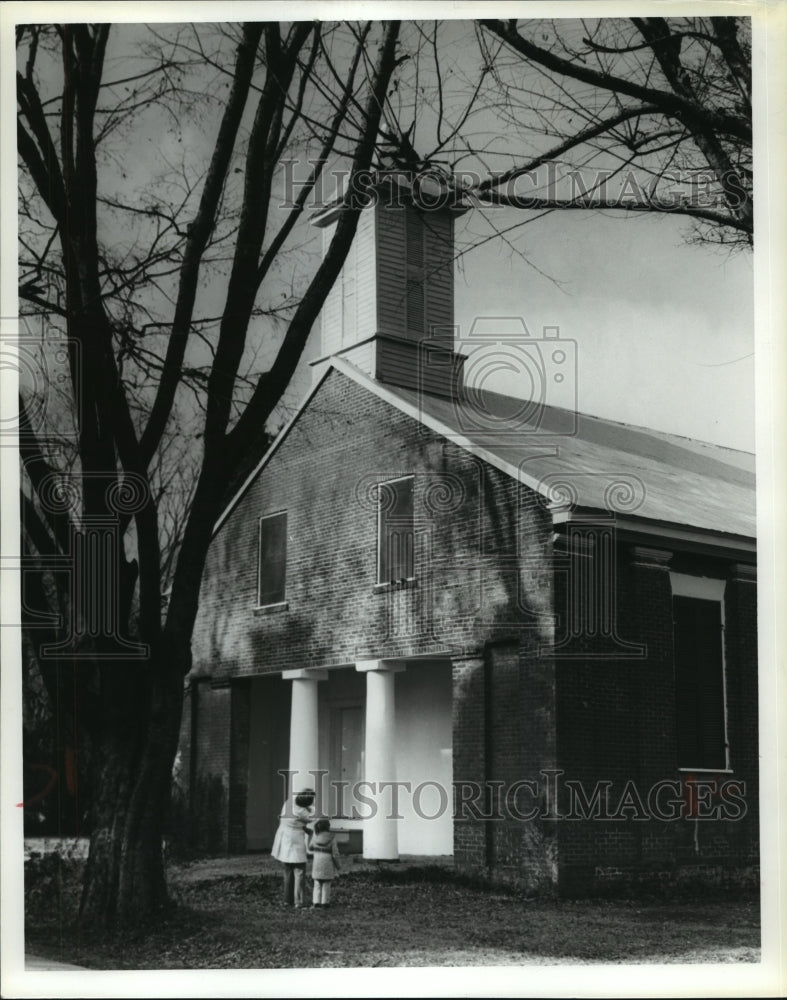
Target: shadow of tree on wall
{"x":198,"y":830}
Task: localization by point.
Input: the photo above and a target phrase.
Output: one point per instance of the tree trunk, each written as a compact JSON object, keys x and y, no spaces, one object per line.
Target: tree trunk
{"x":125,"y":880}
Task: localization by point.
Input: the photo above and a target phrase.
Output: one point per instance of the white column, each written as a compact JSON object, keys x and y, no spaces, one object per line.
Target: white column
{"x":380,"y":834}
{"x":304,"y":727}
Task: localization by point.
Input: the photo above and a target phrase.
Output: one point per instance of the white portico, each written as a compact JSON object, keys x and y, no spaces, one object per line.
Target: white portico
{"x":304,"y":726}
{"x":374,"y":740}
{"x":380,"y":835}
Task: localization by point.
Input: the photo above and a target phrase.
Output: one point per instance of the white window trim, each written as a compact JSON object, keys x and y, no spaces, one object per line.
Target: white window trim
{"x":708,"y":588}
{"x":388,"y":482}
{"x":265,"y":517}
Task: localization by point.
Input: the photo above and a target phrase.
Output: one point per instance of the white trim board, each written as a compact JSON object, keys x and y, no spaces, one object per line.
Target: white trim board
{"x":704,"y":588}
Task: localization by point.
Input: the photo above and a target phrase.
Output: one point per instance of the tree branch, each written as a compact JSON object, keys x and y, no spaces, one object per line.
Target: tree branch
{"x":198,"y":234}
{"x":579,"y":139}
{"x":669,"y":103}
{"x":528,"y":203}
{"x":273,"y":382}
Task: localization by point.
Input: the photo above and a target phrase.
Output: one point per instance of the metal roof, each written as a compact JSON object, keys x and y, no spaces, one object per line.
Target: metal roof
{"x":579,"y":461}
{"x":593,"y":463}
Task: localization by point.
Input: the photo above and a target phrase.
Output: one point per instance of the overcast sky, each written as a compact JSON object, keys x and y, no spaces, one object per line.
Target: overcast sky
{"x":664,"y":330}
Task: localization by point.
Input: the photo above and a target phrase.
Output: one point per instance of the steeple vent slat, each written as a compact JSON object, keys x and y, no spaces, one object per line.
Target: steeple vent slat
{"x":390,"y":312}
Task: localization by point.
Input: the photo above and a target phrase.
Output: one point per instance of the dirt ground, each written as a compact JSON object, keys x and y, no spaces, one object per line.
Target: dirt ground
{"x":228,"y":914}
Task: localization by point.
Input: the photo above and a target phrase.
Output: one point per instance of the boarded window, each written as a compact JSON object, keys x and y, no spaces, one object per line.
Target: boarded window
{"x":395,"y":535}
{"x":272,"y":559}
{"x":699,"y":684}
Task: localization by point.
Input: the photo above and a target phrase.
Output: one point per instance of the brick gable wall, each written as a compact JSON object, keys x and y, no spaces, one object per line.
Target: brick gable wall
{"x":518,"y":711}
{"x":324,"y":477}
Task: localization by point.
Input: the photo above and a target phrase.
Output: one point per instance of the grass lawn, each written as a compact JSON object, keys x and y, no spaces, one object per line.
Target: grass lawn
{"x":388,"y":916}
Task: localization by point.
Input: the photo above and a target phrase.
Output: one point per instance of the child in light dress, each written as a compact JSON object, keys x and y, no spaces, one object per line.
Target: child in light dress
{"x":325,"y":864}
{"x":289,"y":845}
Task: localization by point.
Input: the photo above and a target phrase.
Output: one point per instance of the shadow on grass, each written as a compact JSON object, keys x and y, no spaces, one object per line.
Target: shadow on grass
{"x":387,"y":916}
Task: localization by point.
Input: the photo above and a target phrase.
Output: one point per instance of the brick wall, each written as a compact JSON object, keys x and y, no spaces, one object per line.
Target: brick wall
{"x":616,"y":724}
{"x":324,"y":477}
{"x":471,"y":848}
{"x":742,"y":703}
{"x":523,"y":702}
{"x":211,"y":727}
{"x":240,"y":711}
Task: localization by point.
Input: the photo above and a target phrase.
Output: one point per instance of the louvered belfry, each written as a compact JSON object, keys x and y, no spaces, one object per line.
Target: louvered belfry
{"x":390,"y":312}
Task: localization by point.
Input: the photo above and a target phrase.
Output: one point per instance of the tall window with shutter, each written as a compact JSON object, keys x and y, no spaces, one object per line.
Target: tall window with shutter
{"x":395,"y":541}
{"x":699,"y":684}
{"x":272,"y":573}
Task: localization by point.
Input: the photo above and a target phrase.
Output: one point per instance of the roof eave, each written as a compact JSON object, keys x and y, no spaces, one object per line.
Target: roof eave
{"x":684,"y":537}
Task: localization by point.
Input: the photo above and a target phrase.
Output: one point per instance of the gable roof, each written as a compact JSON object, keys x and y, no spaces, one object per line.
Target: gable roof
{"x":601,"y":465}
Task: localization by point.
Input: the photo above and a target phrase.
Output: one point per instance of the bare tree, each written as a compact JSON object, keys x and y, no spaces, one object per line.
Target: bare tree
{"x":127,"y":275}
{"x":660,"y":105}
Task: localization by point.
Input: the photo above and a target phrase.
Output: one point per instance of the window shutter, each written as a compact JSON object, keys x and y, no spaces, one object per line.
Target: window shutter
{"x":699,"y":683}
{"x":396,"y":546}
{"x":416,"y":273}
{"x":272,"y":559}
{"x":439,"y":270}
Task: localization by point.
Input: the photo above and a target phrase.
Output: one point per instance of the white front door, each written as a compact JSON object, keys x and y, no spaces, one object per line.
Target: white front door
{"x":347,"y":724}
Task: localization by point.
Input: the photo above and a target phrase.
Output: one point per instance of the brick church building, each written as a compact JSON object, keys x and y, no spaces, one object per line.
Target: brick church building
{"x":479,"y":626}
